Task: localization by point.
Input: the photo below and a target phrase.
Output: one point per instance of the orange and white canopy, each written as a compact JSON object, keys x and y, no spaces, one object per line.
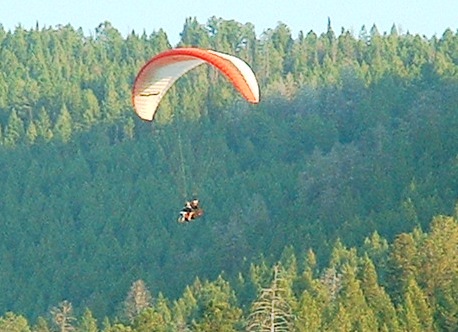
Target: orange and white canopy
{"x":159,"y":74}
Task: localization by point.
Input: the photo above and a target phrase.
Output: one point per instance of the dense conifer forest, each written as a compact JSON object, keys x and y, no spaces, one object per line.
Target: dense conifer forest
{"x":330,"y":206}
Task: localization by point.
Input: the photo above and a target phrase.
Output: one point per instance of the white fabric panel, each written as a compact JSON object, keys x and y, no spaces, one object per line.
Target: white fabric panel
{"x":155,"y":84}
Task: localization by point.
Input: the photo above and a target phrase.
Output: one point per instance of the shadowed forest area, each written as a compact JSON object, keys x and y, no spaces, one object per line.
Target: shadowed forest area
{"x":328,"y":206}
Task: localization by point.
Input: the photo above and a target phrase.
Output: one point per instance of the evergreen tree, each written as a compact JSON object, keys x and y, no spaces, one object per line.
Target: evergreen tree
{"x":271,"y":311}
{"x":32,"y":133}
{"x":446,"y":309}
{"x":440,"y":256}
{"x":340,"y":321}
{"x":91,"y":110}
{"x":410,"y":320}
{"x":185,"y":307}
{"x":351,"y":297}
{"x":377,"y":250}
{"x":149,"y":320}
{"x":41,"y":325}
{"x":14,"y":323}
{"x":156,"y":317}
{"x":14,"y":130}
{"x":402,"y":264}
{"x":87,"y":323}
{"x":417,"y":312}
{"x":194,"y":34}
{"x":217,"y":307}
{"x":376,"y":297}
{"x":309,"y":313}
{"x":111,"y":103}
{"x":63,"y":127}
{"x":129,"y":129}
{"x":62,"y":316}
{"x":3,"y":93}
{"x":43,"y":125}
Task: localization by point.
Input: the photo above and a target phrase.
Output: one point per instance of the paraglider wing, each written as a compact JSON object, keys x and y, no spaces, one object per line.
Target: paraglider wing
{"x":159,"y":74}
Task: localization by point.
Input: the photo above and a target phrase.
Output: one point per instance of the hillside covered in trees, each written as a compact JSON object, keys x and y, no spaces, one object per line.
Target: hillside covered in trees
{"x":328,"y":197}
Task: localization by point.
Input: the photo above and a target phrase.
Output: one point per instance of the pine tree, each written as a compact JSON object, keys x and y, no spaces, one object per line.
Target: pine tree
{"x":377,"y":250}
{"x":111,"y":103}
{"x":440,"y":256}
{"x":309,"y":313}
{"x":332,"y":282}
{"x":3,"y":93}
{"x":376,"y":297}
{"x":14,"y":323}
{"x":410,"y":320}
{"x":260,"y":274}
{"x":351,"y":297}
{"x":149,"y":320}
{"x":32,"y":133}
{"x":88,"y":323}
{"x":417,"y":308}
{"x":162,"y":307}
{"x":446,"y":309}
{"x":340,"y":321}
{"x":43,"y":125}
{"x":129,"y":129}
{"x":194,"y":34}
{"x":62,"y":316}
{"x":402,"y":264}
{"x":185,"y":308}
{"x":316,"y":298}
{"x":216,"y":303}
{"x":41,"y":325}
{"x":138,"y":299}
{"x":14,"y":130}
{"x":63,"y":127}
{"x":271,"y":311}
{"x":283,"y":43}
{"x":269,"y":60}
{"x":91,"y":109}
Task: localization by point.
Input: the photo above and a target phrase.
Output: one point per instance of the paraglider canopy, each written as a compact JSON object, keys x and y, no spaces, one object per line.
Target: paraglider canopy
{"x":161,"y":72}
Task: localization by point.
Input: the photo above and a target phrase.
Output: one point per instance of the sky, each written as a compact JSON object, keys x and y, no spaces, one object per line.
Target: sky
{"x":424,"y":17}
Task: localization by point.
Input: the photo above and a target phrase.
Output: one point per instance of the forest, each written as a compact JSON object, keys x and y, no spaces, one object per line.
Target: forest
{"x":329,"y":206}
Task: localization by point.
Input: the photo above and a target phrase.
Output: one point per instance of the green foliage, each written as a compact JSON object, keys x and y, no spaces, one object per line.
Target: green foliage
{"x":359,"y":303}
{"x":87,"y":323}
{"x":353,"y":144}
{"x":417,"y":312}
{"x":217,"y":307}
{"x":376,"y":297}
{"x":14,"y":323}
{"x":63,"y":128}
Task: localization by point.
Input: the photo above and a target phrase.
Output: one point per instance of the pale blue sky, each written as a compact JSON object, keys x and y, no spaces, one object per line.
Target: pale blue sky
{"x":424,"y":17}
